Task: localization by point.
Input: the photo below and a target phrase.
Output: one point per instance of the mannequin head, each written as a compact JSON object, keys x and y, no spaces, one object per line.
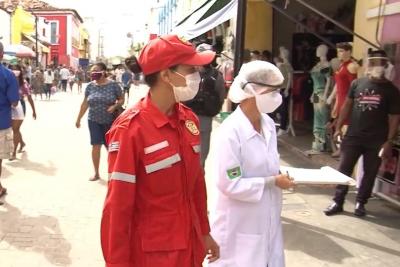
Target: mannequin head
{"x":344,"y":51}
{"x":322,"y":51}
{"x":284,"y":54}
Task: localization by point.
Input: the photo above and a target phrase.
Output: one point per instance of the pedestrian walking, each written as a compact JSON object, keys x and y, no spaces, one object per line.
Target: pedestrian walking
{"x":373,"y":106}
{"x":155,"y":212}
{"x":127,"y":79}
{"x":19,"y":112}
{"x":246,"y":221}
{"x":71,"y":79}
{"x":208,"y":101}
{"x":79,"y":78}
{"x":38,"y":83}
{"x":9,"y":97}
{"x":49,"y":81}
{"x":103,"y":97}
{"x":27,"y":72}
{"x":64,"y":75}
{"x":57,"y":78}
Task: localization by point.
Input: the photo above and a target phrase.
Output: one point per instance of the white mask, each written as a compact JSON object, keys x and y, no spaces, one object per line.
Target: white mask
{"x":188,"y":92}
{"x":377,"y":71}
{"x":268,"y":103}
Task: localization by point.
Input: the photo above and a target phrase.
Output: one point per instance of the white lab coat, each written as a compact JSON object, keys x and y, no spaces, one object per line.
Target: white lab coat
{"x":246,"y":220}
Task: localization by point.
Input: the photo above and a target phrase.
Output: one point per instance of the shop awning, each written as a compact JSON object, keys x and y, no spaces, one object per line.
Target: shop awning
{"x":42,"y":46}
{"x":209,"y":15}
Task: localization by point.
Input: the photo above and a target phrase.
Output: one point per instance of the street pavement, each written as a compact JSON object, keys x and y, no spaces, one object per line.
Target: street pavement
{"x":51,"y":215}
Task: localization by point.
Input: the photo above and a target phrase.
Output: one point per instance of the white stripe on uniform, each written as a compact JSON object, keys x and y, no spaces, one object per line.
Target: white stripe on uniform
{"x":163,"y":163}
{"x":154,"y":148}
{"x":120,"y":176}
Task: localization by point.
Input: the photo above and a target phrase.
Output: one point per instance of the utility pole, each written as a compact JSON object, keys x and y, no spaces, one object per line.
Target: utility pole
{"x":240,"y":34}
{"x":36,"y":39}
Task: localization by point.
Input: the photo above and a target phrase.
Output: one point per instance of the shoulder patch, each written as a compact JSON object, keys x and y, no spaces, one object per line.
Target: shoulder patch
{"x":126,"y":117}
{"x":234,"y":173}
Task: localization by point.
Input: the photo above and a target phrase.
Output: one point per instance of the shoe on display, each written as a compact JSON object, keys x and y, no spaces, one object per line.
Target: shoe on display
{"x":360,"y":211}
{"x":333,"y":209}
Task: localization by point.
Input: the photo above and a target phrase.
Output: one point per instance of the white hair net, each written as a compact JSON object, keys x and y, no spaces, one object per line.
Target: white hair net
{"x":254,"y":77}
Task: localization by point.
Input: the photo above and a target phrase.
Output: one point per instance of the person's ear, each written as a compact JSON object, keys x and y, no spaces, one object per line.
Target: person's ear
{"x":165,"y":76}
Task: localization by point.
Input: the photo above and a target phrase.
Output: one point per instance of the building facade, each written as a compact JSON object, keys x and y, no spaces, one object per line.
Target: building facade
{"x":171,"y":12}
{"x":65,"y":27}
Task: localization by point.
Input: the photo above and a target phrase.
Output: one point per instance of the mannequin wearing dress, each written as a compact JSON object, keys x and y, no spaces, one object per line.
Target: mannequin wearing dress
{"x":321,"y":76}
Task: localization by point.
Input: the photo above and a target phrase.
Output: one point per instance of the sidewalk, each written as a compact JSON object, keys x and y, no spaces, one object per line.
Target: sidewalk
{"x":301,"y":143}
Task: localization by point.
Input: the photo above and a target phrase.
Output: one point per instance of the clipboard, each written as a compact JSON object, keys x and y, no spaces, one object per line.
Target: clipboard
{"x":323,"y":176}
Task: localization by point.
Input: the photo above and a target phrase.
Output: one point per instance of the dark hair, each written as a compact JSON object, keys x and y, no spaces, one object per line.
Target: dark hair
{"x":20,"y":78}
{"x":246,"y":55}
{"x":255,"y":52}
{"x":133,"y":65}
{"x":267,"y":54}
{"x":101,"y":65}
{"x":344,"y":46}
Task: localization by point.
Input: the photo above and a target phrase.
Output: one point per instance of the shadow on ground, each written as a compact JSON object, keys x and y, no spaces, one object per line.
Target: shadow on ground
{"x":40,"y":234}
{"x":316,"y":242}
{"x":47,"y":169}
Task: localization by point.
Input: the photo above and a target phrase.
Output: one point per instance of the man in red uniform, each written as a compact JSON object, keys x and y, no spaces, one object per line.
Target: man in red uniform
{"x":155,"y":213}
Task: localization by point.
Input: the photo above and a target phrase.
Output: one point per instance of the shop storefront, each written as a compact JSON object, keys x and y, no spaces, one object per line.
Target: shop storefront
{"x":380,"y":22}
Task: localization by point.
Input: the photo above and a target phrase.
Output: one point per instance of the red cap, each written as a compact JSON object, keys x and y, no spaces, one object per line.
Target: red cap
{"x":168,"y":51}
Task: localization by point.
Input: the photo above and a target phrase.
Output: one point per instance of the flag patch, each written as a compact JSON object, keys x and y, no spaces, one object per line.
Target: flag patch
{"x":114,"y":146}
{"x":234,"y":173}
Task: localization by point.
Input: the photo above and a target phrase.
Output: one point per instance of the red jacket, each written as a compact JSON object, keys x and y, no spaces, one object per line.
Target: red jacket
{"x":155,"y":213}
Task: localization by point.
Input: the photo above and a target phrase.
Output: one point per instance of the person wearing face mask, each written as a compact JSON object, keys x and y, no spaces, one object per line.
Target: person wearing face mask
{"x":208,"y":101}
{"x":103,"y":98}
{"x":246,"y":220}
{"x":155,"y":212}
{"x":373,"y":104}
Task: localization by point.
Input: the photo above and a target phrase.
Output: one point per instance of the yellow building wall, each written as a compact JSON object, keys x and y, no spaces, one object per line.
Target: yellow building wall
{"x":258,"y":26}
{"x":365,"y":27}
{"x":21,"y":22}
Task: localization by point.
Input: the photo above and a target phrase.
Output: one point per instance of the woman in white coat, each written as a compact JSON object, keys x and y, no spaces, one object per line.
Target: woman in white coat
{"x":246,"y":222}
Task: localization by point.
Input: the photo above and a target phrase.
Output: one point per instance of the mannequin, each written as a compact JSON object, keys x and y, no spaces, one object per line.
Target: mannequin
{"x":285,"y":109}
{"x":321,"y":76}
{"x":346,"y":74}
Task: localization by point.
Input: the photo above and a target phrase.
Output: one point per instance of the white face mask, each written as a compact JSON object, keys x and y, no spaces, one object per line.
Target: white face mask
{"x":268,"y":103}
{"x":188,"y":92}
{"x":377,"y":71}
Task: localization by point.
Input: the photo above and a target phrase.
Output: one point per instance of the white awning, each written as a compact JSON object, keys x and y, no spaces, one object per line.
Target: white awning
{"x":44,"y":48}
{"x":205,"y":18}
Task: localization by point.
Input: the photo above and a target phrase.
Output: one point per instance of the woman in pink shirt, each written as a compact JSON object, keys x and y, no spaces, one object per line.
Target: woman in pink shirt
{"x":18,"y":112}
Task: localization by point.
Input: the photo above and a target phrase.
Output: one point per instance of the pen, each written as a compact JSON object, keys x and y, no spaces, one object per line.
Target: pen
{"x":287,"y":173}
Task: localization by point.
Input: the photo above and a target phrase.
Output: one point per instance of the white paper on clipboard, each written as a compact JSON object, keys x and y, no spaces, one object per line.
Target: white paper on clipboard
{"x":325,"y":175}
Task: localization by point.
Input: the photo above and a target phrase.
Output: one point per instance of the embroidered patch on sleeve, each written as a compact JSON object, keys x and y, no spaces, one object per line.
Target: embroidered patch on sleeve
{"x":234,"y":173}
{"x":114,"y":146}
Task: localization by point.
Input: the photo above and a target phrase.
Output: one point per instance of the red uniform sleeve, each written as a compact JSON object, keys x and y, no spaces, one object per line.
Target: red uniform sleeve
{"x":120,"y":200}
{"x":200,"y":200}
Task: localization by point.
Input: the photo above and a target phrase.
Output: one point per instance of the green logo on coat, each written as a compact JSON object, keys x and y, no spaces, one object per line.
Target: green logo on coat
{"x":234,"y":173}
